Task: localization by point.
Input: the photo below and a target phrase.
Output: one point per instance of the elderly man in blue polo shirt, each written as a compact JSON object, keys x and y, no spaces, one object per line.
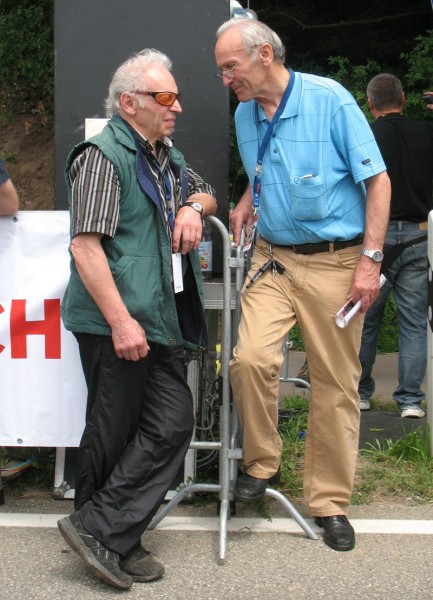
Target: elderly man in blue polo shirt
{"x":319,"y":196}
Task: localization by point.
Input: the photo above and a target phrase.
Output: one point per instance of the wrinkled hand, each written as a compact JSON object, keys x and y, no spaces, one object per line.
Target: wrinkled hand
{"x":129,"y":340}
{"x":365,"y":284}
{"x":188,"y":230}
{"x":240,"y":216}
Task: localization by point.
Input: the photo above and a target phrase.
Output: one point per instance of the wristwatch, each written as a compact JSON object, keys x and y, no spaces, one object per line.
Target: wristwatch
{"x":375,"y":255}
{"x":196,"y":206}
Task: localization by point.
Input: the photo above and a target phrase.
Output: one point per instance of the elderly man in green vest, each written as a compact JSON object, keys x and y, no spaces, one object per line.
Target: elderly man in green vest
{"x":134,"y":303}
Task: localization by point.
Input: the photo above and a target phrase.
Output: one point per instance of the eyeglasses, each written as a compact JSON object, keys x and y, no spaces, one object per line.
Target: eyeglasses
{"x":163,"y":98}
{"x":229,"y":73}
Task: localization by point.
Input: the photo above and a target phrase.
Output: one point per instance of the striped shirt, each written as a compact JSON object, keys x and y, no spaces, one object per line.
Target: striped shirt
{"x":95,"y":196}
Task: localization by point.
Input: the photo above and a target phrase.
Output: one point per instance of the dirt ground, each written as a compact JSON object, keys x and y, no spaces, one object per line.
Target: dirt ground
{"x":27,"y":146}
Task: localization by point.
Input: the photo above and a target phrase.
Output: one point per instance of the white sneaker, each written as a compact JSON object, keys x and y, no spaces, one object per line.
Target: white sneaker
{"x":364,"y":404}
{"x":412,"y":412}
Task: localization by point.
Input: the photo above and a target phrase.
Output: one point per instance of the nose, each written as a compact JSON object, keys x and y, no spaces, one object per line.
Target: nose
{"x":227,"y":78}
{"x":176,"y":107}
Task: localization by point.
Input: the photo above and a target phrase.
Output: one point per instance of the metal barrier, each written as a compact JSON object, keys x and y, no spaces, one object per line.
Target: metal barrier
{"x":228,"y":444}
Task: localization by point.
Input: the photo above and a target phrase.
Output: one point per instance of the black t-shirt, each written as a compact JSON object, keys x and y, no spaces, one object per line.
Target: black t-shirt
{"x":407,"y":149}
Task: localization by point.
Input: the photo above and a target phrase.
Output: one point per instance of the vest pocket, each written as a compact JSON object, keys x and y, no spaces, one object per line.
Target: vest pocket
{"x":139,"y":283}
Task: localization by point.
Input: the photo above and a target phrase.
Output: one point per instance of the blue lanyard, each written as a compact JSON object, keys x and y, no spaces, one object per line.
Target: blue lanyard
{"x":262,"y":148}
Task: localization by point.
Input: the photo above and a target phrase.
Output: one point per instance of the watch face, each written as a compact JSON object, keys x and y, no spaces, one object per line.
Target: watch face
{"x":375,"y":255}
{"x":196,"y":206}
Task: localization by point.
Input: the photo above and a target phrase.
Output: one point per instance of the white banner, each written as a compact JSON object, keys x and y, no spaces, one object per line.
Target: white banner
{"x":42,"y":388}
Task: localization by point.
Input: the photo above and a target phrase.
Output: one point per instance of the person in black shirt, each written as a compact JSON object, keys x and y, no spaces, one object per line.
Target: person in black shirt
{"x":407,"y":149}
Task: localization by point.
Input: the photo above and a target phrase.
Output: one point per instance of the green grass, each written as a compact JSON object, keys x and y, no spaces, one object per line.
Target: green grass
{"x":393,"y":470}
{"x":386,"y":470}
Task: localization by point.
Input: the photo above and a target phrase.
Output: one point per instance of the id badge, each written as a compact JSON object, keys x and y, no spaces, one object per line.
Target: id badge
{"x":251,"y":233}
{"x":176,"y":264}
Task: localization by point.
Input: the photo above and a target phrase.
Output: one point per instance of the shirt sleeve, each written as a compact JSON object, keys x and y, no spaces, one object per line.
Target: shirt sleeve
{"x":196,"y":185}
{"x":4,"y":175}
{"x":354,"y":139}
{"x":95,"y":194}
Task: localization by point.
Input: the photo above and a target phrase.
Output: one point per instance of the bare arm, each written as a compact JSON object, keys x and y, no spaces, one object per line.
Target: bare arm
{"x":242,"y":215}
{"x":9,"y":203}
{"x":188,"y":228}
{"x":129,"y":338}
{"x":365,"y":284}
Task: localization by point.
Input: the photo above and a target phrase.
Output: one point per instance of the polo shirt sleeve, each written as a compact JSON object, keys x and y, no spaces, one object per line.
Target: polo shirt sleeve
{"x":352,"y":137}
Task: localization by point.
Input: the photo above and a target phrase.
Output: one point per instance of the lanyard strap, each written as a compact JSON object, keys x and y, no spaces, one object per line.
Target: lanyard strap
{"x":265,"y":142}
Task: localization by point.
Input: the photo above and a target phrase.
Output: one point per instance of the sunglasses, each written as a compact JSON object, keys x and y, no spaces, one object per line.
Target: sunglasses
{"x":163,"y":98}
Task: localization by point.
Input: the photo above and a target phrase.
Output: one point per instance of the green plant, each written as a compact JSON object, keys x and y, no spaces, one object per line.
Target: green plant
{"x":10,"y":157}
{"x":27,"y":53}
{"x":400,"y":468}
{"x":292,"y":428}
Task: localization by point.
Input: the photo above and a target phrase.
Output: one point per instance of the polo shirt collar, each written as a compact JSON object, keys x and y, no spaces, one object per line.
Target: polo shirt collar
{"x":292,"y":107}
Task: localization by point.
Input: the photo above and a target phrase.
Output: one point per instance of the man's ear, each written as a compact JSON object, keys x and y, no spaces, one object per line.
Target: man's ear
{"x":128,"y":103}
{"x":266,"y":53}
{"x":370,"y":104}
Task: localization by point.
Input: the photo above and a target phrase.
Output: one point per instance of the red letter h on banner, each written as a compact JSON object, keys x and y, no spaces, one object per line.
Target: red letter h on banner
{"x":21,"y":328}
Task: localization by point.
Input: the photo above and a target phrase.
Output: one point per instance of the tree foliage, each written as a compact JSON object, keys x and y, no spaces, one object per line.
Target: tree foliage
{"x":27,"y":53}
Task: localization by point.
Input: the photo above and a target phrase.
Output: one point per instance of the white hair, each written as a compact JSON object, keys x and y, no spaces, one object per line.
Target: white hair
{"x":129,"y":76}
{"x":254,"y":34}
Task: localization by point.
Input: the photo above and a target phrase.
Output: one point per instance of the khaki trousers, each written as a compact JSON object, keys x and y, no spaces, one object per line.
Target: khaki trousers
{"x":310,"y":292}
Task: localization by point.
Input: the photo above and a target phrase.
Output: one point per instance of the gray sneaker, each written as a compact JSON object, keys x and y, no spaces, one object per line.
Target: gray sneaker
{"x":140,"y":564}
{"x":103,"y":562}
{"x":364,"y":404}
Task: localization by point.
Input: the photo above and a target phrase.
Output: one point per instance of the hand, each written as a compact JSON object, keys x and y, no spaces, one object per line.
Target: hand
{"x":129,"y":340}
{"x":365,"y":284}
{"x":429,"y":106}
{"x":188,"y":230}
{"x":240,"y":216}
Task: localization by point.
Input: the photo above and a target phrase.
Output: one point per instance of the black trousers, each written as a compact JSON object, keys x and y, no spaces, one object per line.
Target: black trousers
{"x":139,"y":423}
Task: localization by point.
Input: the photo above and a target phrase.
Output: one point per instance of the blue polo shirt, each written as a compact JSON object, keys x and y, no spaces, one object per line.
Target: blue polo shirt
{"x":321,"y":150}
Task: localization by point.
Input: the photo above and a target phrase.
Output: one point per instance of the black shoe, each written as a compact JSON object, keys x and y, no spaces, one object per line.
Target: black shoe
{"x":339,"y":533}
{"x":103,"y":562}
{"x":249,"y":488}
{"x":140,"y":564}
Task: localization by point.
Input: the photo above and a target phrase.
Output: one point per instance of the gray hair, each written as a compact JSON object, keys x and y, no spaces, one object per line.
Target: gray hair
{"x":385,"y":91}
{"x":254,"y":34}
{"x":129,"y":76}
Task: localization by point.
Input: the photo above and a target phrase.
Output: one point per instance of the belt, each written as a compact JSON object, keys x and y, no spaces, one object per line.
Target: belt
{"x":323,"y":246}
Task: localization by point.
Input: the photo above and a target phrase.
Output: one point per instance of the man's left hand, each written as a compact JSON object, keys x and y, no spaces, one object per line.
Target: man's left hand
{"x":365,"y":284}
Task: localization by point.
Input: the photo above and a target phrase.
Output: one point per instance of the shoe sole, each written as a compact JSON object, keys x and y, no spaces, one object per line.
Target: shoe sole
{"x":412,"y":416}
{"x":76,"y":543}
{"x":337,"y":547}
{"x":144,"y":578}
{"x":249,"y":498}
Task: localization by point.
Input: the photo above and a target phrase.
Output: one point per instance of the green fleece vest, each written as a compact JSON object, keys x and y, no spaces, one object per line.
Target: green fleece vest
{"x":139,"y":256}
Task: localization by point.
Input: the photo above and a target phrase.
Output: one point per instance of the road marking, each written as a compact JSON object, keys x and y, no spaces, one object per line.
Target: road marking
{"x":255,"y":525}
